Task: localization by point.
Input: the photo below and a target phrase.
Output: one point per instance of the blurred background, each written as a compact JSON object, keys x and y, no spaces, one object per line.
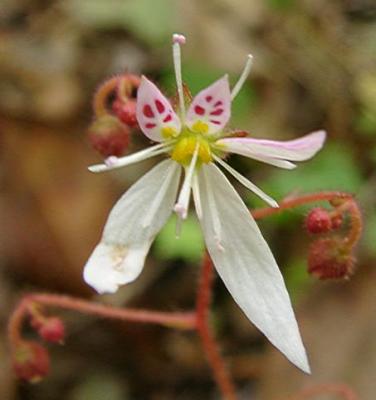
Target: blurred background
{"x":314,"y":67}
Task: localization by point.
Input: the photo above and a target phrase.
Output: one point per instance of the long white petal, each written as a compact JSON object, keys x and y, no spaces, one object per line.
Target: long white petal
{"x":131,"y":159}
{"x":247,"y":183}
{"x":299,"y":149}
{"x":131,"y":228}
{"x":247,"y":266}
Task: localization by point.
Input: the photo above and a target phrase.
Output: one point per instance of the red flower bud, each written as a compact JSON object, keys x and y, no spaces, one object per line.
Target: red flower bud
{"x":109,"y":136}
{"x":31,"y":361}
{"x":318,"y":221}
{"x":337,"y":220}
{"x":52,"y":330}
{"x":126,"y":112}
{"x":329,"y":259}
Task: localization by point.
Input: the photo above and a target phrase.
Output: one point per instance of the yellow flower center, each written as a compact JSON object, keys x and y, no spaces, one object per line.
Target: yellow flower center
{"x":187,"y":141}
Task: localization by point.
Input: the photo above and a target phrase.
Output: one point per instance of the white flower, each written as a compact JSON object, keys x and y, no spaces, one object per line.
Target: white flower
{"x":194,"y":141}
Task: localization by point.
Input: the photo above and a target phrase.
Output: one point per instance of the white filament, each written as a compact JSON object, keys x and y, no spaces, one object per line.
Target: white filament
{"x":243,"y":77}
{"x":181,"y":207}
{"x":177,"y":40}
{"x":248,"y":184}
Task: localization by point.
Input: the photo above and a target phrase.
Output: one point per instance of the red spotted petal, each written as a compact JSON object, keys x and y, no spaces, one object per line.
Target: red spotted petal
{"x":154,"y":113}
{"x":212,"y":106}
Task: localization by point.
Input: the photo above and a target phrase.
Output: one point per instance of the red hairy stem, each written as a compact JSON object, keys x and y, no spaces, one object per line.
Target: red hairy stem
{"x":126,"y":84}
{"x":343,"y":202}
{"x":15,"y":323}
{"x":208,"y":341}
{"x":356,"y":224}
{"x":332,"y":388}
{"x":102,"y":94}
{"x":299,"y":201}
{"x":182,"y":320}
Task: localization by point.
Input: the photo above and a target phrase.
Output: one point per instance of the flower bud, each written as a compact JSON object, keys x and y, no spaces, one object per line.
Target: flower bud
{"x":318,"y":221}
{"x":126,"y":112}
{"x":337,"y":220}
{"x":52,"y":330}
{"x":109,"y":136}
{"x":31,"y":361}
{"x":329,"y":259}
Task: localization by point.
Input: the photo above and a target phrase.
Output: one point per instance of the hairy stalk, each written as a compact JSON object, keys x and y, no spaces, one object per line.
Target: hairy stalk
{"x":300,"y":201}
{"x":205,"y":332}
{"x":343,"y":202}
{"x":102,"y":94}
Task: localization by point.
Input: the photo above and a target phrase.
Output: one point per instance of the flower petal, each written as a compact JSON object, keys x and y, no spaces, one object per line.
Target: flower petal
{"x":210,"y":110}
{"x":246,"y":264}
{"x":133,"y":158}
{"x":157,"y":120}
{"x":293,"y":150}
{"x":131,"y":227}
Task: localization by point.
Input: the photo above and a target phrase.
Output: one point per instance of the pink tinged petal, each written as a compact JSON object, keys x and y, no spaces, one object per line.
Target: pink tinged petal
{"x":246,"y":265}
{"x":212,"y":107}
{"x":293,"y":150}
{"x":157,"y":120}
{"x":131,"y":228}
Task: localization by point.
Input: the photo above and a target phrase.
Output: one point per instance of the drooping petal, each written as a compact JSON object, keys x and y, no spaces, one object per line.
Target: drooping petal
{"x":293,"y":150}
{"x":131,"y":227}
{"x":210,"y":110}
{"x":246,"y":264}
{"x":157,"y":120}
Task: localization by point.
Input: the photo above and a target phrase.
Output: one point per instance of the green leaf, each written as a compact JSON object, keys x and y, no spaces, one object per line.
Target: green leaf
{"x":189,"y":247}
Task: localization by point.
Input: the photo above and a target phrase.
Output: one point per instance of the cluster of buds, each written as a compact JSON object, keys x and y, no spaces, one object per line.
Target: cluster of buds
{"x":115,"y":115}
{"x":31,"y":361}
{"x":332,"y":257}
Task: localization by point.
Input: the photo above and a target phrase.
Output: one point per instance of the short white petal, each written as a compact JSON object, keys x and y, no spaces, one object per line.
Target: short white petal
{"x":131,"y":228}
{"x":247,"y":266}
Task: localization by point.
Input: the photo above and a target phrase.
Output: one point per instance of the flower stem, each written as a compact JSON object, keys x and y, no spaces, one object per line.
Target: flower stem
{"x":343,"y":202}
{"x":102,"y":94}
{"x":182,"y":320}
{"x":208,"y":341}
{"x":299,"y":201}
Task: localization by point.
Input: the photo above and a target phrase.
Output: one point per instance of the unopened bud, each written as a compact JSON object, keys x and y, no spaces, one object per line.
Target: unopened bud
{"x":52,"y":330}
{"x":126,"y":111}
{"x":31,"y":361}
{"x":109,"y":136}
{"x":330,"y":259}
{"x":318,"y":221}
{"x":337,"y":220}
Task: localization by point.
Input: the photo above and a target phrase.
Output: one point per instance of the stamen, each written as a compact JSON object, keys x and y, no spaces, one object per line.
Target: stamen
{"x":243,"y":77}
{"x":178,"y":40}
{"x":181,"y":207}
{"x":248,"y":184}
{"x":113,"y":163}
